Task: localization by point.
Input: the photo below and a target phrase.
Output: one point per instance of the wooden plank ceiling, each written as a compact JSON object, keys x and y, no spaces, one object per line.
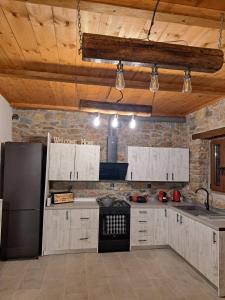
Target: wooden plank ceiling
{"x":40,"y":66}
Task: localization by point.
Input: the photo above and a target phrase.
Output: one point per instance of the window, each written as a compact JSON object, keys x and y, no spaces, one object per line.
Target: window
{"x":218,"y":165}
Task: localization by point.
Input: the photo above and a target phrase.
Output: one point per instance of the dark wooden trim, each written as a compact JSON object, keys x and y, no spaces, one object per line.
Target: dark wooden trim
{"x":110,"y":49}
{"x":208,"y":135}
{"x":116,"y":107}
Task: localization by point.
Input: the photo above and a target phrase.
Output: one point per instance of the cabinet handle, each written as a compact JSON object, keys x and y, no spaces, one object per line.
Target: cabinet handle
{"x":84,"y":218}
{"x":70,"y":175}
{"x":67,"y":215}
{"x":143,"y":212}
{"x":165,"y":212}
{"x":131,"y":175}
{"x":142,"y":240}
{"x":77,"y":175}
{"x":172,"y":176}
{"x":177,"y":218}
{"x":214,"y":238}
{"x":142,"y":231}
{"x":181,"y":220}
{"x":142,"y":221}
{"x":167,"y":176}
{"x":83,"y":239}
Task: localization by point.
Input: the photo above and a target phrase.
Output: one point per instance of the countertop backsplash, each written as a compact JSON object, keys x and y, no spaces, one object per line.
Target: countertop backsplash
{"x":119,"y":188}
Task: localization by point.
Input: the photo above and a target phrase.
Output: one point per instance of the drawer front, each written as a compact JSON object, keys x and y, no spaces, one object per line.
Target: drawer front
{"x":142,"y":239}
{"x":84,"y":239}
{"x":142,"y":214}
{"x":83,"y":218}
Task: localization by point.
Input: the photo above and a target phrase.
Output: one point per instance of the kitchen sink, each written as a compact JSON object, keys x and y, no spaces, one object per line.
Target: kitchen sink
{"x":197,"y":210}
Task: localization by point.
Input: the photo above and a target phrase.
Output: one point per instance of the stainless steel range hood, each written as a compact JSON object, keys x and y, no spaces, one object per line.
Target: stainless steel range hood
{"x":112,"y":170}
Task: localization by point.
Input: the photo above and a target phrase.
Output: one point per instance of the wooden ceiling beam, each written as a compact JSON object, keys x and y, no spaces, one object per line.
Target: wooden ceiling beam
{"x":136,"y":52}
{"x":167,"y":12}
{"x":168,"y":82}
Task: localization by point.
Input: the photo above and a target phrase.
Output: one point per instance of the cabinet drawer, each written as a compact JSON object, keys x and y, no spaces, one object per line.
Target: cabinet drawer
{"x":142,"y":214}
{"x":84,"y":218}
{"x":83,"y":239}
{"x":142,"y":239}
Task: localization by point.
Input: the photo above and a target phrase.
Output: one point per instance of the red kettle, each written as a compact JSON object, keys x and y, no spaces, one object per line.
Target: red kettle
{"x":176,"y":196}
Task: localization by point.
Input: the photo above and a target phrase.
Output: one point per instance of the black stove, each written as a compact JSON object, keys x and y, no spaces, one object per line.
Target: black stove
{"x":115,"y":203}
{"x":114,"y":225}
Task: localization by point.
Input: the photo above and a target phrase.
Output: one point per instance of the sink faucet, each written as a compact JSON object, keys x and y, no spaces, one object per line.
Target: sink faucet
{"x":207,"y":199}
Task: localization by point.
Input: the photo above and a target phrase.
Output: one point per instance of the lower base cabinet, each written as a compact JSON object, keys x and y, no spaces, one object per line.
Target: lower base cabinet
{"x":56,"y":230}
{"x":197,"y":243}
{"x":75,"y":229}
{"x":149,"y":227}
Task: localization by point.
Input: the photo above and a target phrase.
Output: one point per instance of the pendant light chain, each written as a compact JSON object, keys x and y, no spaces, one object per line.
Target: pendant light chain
{"x":79,"y":27}
{"x":153,"y":20}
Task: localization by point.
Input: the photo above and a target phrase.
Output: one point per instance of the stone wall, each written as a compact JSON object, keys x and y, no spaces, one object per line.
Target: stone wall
{"x":208,"y":118}
{"x":34,"y":125}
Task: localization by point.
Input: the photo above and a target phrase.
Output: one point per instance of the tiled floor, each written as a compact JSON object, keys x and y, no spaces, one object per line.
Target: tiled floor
{"x":139,"y":275}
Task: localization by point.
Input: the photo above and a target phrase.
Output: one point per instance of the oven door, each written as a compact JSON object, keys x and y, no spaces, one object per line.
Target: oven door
{"x":114,"y":226}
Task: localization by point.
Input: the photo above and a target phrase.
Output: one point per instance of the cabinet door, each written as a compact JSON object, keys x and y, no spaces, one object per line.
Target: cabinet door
{"x":138,"y":164}
{"x":160,"y":226}
{"x":208,"y":252}
{"x":87,"y":161}
{"x":179,"y":165}
{"x":159,"y":164}
{"x":61,"y":161}
{"x":173,"y":224}
{"x":57,"y":228}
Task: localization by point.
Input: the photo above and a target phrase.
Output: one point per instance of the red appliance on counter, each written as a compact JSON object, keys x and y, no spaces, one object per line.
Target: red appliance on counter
{"x":176,"y":196}
{"x":162,"y":196}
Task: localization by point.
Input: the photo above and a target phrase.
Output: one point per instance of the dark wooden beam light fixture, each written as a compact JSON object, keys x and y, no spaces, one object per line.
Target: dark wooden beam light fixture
{"x":115,"y":108}
{"x":136,"y":52}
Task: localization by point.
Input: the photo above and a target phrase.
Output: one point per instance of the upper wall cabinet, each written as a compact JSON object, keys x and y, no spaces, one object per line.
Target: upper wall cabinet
{"x":61,"y":161}
{"x":158,"y":164}
{"x":138,"y":159}
{"x":87,"y":160}
{"x":69,"y":162}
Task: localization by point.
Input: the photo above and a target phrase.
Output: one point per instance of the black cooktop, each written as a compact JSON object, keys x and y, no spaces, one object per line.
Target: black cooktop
{"x":115,"y":203}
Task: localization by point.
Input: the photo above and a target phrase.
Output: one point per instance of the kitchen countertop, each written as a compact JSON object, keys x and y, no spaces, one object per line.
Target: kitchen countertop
{"x":79,"y":203}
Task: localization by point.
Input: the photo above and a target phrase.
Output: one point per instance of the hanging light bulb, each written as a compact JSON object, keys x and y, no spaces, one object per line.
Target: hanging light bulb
{"x":154,"y":84}
{"x":115,"y":122}
{"x":97,"y":121}
{"x":187,"y":88}
{"x":132,"y":123}
{"x":120,"y":82}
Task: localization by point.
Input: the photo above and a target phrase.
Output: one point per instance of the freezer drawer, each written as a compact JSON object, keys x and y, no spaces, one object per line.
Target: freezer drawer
{"x":21,"y":231}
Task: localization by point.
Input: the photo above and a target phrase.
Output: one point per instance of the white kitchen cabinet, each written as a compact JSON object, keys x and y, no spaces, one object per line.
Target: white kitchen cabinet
{"x":67,"y":230}
{"x":173,"y":225}
{"x":158,"y":164}
{"x":87,"y":160}
{"x":138,"y":164}
{"x":208,"y":252}
{"x":142,"y":227}
{"x":159,"y":167}
{"x":160,"y":226}
{"x":61,"y":161}
{"x":84,"y":229}
{"x":69,"y":162}
{"x":196,"y":242}
{"x":178,"y":164}
{"x":57,"y":230}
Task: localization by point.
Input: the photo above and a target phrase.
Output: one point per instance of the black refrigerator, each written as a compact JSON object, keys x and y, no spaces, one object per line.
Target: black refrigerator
{"x":23,"y":197}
